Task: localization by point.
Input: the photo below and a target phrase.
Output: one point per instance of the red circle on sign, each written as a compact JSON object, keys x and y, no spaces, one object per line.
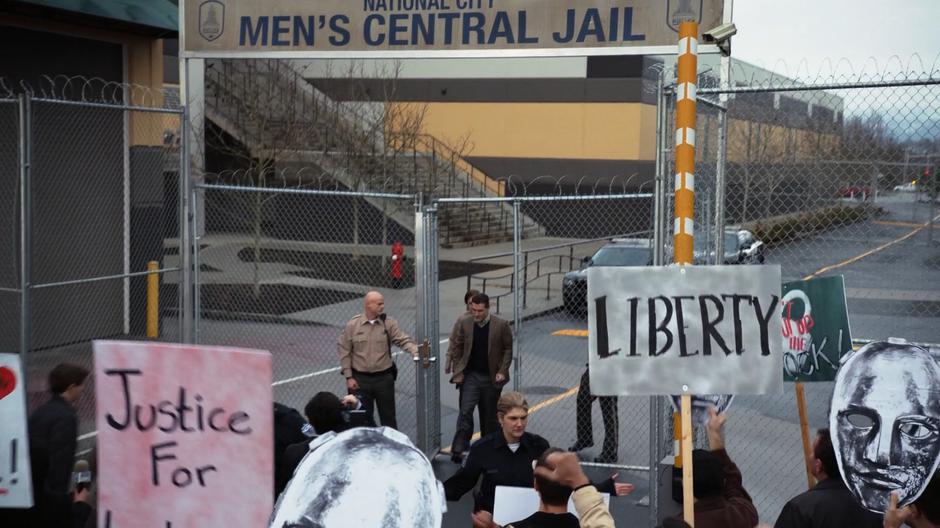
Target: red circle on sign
{"x":7,"y":381}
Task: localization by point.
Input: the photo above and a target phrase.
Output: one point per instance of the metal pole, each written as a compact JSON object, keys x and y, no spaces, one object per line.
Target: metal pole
{"x":933,"y":199}
{"x":421,"y":325}
{"x":433,"y":373}
{"x":654,"y":459}
{"x":708,"y":232}
{"x":516,"y":295}
{"x":525,"y":277}
{"x":720,"y":185}
{"x":197,"y":279}
{"x":186,"y":243}
{"x":659,"y":177}
{"x":905,"y":175}
{"x":26,"y":235}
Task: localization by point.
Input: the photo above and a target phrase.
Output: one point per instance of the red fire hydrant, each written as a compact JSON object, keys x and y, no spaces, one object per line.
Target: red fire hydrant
{"x":398,"y":258}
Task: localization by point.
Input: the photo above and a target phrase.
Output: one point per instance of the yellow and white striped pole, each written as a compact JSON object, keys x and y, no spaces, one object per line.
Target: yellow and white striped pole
{"x":683,"y":240}
{"x":685,"y":141}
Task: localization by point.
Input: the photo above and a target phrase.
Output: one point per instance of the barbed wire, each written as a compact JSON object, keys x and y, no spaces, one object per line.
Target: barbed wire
{"x":272,"y":179}
{"x":79,"y":88}
{"x":830,"y":71}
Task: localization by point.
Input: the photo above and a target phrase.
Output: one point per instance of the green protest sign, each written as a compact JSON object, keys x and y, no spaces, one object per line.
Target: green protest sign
{"x":815,"y":328}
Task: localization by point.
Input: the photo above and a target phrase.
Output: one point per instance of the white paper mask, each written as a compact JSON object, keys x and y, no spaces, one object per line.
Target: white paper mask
{"x":885,"y":422}
{"x":365,"y":477}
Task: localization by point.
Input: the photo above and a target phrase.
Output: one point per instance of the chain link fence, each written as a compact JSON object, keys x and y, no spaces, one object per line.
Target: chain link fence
{"x":10,"y":284}
{"x":100,"y":168}
{"x":284,"y":269}
{"x":551,"y":240}
{"x":833,"y":177}
{"x":836,"y":177}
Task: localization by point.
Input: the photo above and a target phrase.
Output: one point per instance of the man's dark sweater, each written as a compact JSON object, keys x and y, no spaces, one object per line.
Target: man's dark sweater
{"x":479,"y":351}
{"x":829,"y":504}
{"x":547,"y":520}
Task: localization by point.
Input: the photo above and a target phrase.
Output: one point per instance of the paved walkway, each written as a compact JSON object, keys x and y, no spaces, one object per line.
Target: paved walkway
{"x":220,"y":253}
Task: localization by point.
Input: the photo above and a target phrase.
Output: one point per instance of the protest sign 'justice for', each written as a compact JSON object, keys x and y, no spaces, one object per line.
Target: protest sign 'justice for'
{"x":175,"y":422}
{"x":171,"y":417}
{"x":710,"y":310}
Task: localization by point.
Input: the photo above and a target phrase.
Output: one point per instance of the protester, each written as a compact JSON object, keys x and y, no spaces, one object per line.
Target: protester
{"x":720,"y":498}
{"x":325,"y":413}
{"x":553,"y":501}
{"x":829,"y":504}
{"x":564,"y":469}
{"x":365,"y":357}
{"x":289,"y":428}
{"x":53,"y":436}
{"x":504,"y":458}
{"x":558,"y":476}
{"x":479,"y":355}
{"x":924,"y":512}
{"x":584,"y":426}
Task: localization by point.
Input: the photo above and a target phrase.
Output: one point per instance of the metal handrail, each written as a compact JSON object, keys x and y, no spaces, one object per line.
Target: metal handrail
{"x":537,"y":263}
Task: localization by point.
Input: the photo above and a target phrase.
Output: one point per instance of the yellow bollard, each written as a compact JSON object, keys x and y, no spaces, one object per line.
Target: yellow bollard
{"x":153,"y":299}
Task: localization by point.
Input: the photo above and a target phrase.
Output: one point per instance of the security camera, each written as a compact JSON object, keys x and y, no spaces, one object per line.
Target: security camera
{"x":719,"y":34}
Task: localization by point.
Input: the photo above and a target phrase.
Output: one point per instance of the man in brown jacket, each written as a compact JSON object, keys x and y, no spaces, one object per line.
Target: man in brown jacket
{"x":720,"y":498}
{"x":365,"y":357}
{"x":479,"y":356}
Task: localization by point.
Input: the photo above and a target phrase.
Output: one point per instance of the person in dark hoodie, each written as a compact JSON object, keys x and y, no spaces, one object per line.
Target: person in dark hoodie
{"x":829,"y":504}
{"x":289,"y":428}
{"x":325,"y":412}
{"x":53,"y":436}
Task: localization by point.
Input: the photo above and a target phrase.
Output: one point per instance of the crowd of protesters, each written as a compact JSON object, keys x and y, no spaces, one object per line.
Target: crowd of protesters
{"x":508,"y":454}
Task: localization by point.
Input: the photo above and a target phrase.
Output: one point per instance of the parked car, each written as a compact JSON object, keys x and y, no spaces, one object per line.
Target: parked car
{"x":619,"y":252}
{"x":741,"y":247}
{"x":855,"y":191}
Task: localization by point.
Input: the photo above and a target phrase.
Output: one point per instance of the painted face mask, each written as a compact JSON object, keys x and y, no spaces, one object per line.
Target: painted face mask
{"x":368,"y":477}
{"x":885,"y":419}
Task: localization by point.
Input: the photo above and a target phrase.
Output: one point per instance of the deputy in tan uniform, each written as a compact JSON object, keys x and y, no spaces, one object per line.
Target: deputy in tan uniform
{"x":365,"y":357}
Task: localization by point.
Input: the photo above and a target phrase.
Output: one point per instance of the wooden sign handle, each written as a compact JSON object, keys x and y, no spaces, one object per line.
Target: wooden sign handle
{"x":688,"y":499}
{"x":804,"y":432}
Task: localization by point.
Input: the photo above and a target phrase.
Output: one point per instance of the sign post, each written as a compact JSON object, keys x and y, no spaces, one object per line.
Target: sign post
{"x":804,"y":433}
{"x":685,"y":213}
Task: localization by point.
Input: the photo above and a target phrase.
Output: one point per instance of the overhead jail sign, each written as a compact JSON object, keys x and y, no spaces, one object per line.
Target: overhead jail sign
{"x":436,"y":27}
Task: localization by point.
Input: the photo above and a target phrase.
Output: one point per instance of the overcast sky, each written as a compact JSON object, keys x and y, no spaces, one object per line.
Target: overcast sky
{"x":780,"y":34}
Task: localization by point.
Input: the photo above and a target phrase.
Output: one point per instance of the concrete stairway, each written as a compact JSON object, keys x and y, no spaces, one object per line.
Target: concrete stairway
{"x":273,"y":113}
